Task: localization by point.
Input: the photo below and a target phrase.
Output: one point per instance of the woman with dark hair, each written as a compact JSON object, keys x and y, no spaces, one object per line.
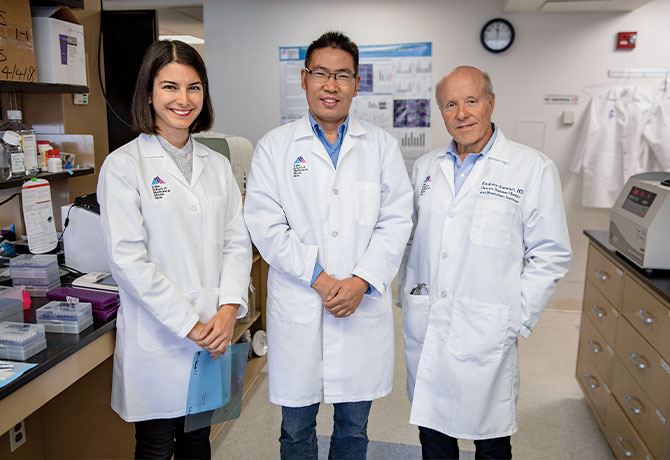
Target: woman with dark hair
{"x":178,"y":247}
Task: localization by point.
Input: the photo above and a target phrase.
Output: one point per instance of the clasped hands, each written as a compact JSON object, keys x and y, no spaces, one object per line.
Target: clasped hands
{"x":215,"y":336}
{"x":340,"y":297}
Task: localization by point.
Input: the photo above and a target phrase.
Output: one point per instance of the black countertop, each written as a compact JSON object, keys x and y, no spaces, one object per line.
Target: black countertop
{"x":656,"y":280}
{"x":59,"y":347}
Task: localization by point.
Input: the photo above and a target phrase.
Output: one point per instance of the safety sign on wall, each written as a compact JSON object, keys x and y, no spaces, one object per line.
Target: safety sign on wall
{"x":394,"y":91}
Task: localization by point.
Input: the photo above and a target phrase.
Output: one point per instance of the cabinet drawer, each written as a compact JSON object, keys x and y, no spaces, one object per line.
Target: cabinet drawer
{"x":640,"y":410}
{"x":621,"y":436}
{"x":646,"y":366}
{"x":648,"y":315}
{"x":596,"y":348}
{"x":601,"y":312}
{"x":605,"y":275}
{"x":593,"y":385}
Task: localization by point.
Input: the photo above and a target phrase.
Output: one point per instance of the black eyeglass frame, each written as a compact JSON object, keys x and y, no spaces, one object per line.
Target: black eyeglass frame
{"x":333,"y":74}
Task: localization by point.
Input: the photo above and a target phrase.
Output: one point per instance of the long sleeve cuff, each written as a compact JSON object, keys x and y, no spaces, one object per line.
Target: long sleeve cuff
{"x":317,"y":271}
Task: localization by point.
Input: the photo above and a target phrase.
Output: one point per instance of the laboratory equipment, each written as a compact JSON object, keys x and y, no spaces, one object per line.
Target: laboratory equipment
{"x":640,"y":220}
{"x":65,"y":317}
{"x":11,"y":304}
{"x":20,"y":341}
{"x":82,"y":236}
{"x":104,"y":304}
{"x":28,"y":142}
{"x":11,"y":156}
{"x":99,"y":281}
{"x":38,"y":273}
{"x":54,"y":163}
{"x":237,"y":149}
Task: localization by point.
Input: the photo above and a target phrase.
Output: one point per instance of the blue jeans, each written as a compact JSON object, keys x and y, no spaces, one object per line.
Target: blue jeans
{"x":349,"y":439}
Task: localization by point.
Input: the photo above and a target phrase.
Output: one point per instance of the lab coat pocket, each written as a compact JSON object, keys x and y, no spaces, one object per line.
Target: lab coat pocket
{"x":154,"y":336}
{"x":367,"y":199}
{"x":478,"y":331}
{"x":491,"y":223}
{"x":216,"y":218}
{"x":415,"y":313}
{"x":289,"y":301}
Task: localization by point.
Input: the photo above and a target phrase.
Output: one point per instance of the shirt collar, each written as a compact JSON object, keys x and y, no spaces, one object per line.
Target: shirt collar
{"x":318,"y":130}
{"x":452,"y":149}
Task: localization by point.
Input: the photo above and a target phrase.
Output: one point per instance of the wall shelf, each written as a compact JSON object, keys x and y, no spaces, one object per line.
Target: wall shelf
{"x":52,"y":88}
{"x":19,"y":181}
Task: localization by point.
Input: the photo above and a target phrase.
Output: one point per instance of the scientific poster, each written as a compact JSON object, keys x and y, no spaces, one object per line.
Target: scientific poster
{"x":394,"y":93}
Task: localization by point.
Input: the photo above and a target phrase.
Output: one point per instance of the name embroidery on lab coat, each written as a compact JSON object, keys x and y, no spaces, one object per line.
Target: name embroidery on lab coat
{"x":299,"y":166}
{"x":159,"y":187}
{"x":502,"y":191}
{"x":426,"y":186}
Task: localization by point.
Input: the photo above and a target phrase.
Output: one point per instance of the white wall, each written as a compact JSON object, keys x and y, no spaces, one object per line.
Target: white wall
{"x":554,"y":53}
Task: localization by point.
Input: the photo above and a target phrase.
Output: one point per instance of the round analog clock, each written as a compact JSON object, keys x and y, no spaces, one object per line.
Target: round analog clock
{"x":497,"y":35}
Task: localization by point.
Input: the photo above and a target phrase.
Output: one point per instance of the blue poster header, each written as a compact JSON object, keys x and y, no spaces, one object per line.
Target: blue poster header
{"x":424,"y":49}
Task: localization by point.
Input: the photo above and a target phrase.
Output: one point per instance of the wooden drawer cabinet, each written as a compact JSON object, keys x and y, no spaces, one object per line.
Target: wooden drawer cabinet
{"x":605,"y":275}
{"x":648,"y":420}
{"x":601,"y":311}
{"x":644,"y":364}
{"x":628,"y":311}
{"x":594,"y":345}
{"x":622,"y":437}
{"x":648,"y":315}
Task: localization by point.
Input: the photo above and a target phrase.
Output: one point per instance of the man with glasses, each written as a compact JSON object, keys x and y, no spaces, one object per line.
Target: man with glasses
{"x":329,"y":206}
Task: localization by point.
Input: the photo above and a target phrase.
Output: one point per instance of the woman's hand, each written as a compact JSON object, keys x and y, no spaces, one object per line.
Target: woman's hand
{"x":218,"y":332}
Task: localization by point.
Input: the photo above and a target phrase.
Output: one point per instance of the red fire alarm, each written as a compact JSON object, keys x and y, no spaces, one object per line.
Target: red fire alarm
{"x":626,"y":40}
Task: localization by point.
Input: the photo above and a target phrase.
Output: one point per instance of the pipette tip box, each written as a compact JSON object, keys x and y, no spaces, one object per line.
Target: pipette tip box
{"x":20,"y":341}
{"x":65,"y":317}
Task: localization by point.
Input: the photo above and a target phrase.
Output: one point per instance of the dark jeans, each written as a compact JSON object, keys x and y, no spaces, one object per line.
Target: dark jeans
{"x":349,"y":439}
{"x":163,"y":437}
{"x":436,"y":445}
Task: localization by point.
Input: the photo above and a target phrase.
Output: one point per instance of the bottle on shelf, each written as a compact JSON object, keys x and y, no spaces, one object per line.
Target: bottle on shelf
{"x":42,"y":156}
{"x":11,"y":156}
{"x":54,"y":164}
{"x":28,"y":140}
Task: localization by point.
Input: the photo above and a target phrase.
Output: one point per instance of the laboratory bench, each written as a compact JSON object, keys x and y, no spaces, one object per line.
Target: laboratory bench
{"x":624,"y":351}
{"x":65,"y":399}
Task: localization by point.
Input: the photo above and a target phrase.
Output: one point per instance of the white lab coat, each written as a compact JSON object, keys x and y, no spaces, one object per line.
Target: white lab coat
{"x":177,"y":251}
{"x":610,"y":148}
{"x":491,"y":257}
{"x":353,"y":220}
{"x":656,"y":132}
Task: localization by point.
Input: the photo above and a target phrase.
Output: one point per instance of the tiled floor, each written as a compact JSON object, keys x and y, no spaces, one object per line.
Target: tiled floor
{"x":554,"y":421}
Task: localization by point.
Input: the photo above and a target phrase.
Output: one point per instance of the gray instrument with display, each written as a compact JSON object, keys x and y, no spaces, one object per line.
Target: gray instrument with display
{"x":640,"y":221}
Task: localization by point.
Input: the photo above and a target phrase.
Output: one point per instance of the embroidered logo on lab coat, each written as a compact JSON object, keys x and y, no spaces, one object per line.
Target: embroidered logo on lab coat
{"x":299,"y":166}
{"x":426,"y":186}
{"x":159,"y":187}
{"x":512,"y":194}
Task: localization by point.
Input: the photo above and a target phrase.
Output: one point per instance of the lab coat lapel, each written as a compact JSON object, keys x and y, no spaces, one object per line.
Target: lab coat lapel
{"x":355,"y":129}
{"x":303,"y":131}
{"x":199,"y":155}
{"x":151,"y":148}
{"x":447,"y":167}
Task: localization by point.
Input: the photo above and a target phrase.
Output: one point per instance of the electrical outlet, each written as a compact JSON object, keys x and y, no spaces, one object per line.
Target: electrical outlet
{"x":81,"y":98}
{"x":17,"y":435}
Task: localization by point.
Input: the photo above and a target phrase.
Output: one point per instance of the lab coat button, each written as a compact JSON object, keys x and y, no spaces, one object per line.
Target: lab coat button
{"x":194,"y":208}
{"x":335,"y":234}
{"x":451,"y":214}
{"x":443,"y":294}
{"x":444,"y":255}
{"x":336,"y":191}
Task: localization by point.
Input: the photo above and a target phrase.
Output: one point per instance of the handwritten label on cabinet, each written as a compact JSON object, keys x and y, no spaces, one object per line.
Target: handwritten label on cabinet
{"x":17,"y":56}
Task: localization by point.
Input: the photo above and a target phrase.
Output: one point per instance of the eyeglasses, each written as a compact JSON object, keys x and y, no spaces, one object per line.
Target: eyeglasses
{"x":321,"y":76}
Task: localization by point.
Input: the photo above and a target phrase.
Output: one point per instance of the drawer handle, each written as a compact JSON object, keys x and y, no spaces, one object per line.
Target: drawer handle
{"x":599,"y":312}
{"x":645,"y":316}
{"x":603,"y":275}
{"x":595,"y":346}
{"x":639,"y":361}
{"x":593,"y":386}
{"x":636,"y":410}
{"x":628,"y":453}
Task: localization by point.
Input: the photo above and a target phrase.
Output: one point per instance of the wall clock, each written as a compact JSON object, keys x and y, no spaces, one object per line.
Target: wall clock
{"x":497,"y":35}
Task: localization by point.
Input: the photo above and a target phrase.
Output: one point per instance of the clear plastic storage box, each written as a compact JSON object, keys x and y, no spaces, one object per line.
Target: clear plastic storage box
{"x":20,"y":341}
{"x":11,"y":304}
{"x":65,"y":317}
{"x":38,"y":273}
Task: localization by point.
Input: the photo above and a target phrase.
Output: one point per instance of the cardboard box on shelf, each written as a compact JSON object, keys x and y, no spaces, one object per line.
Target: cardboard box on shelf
{"x":17,"y":56}
{"x":59,"y":47}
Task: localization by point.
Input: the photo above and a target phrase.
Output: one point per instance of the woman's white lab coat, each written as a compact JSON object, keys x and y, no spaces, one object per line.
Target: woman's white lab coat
{"x":491,"y":257}
{"x":177,"y":251}
{"x":355,"y":219}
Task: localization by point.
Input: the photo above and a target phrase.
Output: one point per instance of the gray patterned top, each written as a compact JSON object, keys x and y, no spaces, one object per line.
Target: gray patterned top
{"x":183,"y":157}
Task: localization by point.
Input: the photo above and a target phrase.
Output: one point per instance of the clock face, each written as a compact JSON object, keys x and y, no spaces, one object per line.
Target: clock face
{"x":497,"y":35}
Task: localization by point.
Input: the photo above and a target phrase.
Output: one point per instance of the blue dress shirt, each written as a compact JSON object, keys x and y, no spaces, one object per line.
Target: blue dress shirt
{"x":462,"y":168}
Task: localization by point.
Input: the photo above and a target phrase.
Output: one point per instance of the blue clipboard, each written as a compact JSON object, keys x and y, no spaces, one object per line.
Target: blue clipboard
{"x":209,"y":385}
{"x":237,"y":358}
